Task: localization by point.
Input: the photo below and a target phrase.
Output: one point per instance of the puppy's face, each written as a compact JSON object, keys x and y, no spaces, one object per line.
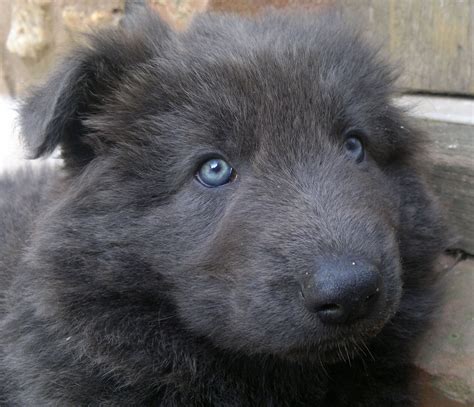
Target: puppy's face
{"x":245,"y":173}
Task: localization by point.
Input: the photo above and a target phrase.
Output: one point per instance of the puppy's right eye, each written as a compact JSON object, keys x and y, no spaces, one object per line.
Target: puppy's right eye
{"x":215,"y":172}
{"x":354,"y":148}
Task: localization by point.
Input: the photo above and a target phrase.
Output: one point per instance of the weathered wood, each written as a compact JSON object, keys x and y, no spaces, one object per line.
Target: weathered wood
{"x":439,"y":108}
{"x":254,"y":6}
{"x":449,"y":126}
{"x":446,"y":355}
{"x":432,"y":40}
{"x":452,"y":175}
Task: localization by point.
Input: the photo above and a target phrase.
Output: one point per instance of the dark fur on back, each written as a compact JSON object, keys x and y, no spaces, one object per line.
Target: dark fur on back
{"x":133,"y":284}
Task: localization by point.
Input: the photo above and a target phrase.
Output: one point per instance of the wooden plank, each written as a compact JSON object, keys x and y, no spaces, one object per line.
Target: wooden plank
{"x":452,"y":175}
{"x":432,"y":40}
{"x":438,"y":108}
{"x":446,"y":356}
{"x":254,"y":6}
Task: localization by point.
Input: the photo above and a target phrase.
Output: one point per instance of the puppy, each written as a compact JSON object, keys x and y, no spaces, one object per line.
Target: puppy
{"x":240,"y":221}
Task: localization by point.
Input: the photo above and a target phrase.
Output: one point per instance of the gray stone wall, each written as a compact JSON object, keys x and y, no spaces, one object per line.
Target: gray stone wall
{"x":34,"y":32}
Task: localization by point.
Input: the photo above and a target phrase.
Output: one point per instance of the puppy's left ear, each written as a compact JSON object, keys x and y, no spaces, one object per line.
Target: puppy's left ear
{"x":57,"y":112}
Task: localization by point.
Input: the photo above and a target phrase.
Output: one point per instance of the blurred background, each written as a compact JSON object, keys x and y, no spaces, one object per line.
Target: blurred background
{"x":433,"y":40}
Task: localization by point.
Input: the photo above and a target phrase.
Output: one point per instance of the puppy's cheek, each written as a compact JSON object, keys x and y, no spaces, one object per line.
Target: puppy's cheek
{"x":205,"y":308}
{"x":234,"y":315}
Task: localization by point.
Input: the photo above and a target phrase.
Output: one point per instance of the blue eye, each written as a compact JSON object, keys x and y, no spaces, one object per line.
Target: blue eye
{"x":354,"y":149}
{"x":215,"y":172}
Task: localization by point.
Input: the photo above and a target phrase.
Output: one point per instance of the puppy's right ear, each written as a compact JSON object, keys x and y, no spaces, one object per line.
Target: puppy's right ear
{"x":56,"y":113}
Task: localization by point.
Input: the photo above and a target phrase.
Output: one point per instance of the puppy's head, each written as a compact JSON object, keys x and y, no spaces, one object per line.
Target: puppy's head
{"x":252,"y":175}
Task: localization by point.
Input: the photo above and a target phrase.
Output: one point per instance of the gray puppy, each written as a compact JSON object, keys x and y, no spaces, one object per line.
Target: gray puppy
{"x":240,"y":221}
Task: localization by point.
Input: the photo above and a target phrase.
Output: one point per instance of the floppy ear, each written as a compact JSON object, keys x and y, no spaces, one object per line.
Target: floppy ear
{"x":56,"y":112}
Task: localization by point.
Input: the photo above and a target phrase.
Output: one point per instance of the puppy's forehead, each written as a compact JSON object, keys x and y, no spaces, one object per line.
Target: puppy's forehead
{"x":279,"y":85}
{"x":239,"y":85}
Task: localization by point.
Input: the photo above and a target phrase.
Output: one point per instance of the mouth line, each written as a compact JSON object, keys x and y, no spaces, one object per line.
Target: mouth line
{"x":342,"y":346}
{"x":332,"y":351}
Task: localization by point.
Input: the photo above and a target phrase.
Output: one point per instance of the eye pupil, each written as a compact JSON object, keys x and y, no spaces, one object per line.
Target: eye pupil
{"x":354,"y":148}
{"x":215,"y":172}
{"x":351,"y":145}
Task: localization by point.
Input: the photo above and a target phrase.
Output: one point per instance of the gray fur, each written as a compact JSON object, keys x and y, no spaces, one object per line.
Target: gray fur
{"x":126,"y":282}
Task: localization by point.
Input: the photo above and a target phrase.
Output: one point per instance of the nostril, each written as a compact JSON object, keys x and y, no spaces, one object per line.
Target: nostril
{"x":342,"y":291}
{"x":329,"y":308}
{"x":331,"y":313}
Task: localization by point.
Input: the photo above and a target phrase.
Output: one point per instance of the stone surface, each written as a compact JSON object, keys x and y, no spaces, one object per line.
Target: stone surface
{"x":34,"y":33}
{"x":77,"y":20}
{"x":446,"y":356}
{"x":25,"y":63}
{"x":29,"y":31}
{"x":5,"y":15}
{"x":178,"y":12}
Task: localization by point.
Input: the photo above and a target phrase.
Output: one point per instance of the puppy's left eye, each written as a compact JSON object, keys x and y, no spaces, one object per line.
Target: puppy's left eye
{"x":215,"y":172}
{"x":354,"y":148}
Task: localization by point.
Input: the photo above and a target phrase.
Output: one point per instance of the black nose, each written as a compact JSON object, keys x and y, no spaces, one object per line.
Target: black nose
{"x":342,"y":291}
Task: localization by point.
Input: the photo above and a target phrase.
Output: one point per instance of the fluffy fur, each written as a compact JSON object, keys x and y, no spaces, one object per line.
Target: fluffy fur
{"x":127,"y":282}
